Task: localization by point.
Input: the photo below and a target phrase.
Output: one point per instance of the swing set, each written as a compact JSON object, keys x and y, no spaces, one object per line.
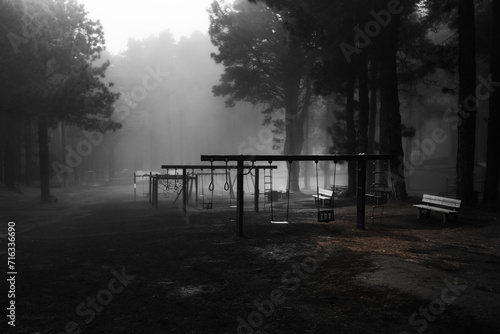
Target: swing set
{"x":323,"y":214}
{"x":185,"y":177}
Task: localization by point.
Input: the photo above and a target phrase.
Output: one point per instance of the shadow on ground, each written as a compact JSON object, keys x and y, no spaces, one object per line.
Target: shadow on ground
{"x":100,"y":262}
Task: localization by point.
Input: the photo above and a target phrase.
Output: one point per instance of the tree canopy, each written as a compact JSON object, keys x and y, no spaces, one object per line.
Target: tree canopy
{"x":264,"y":65}
{"x":50,"y":49}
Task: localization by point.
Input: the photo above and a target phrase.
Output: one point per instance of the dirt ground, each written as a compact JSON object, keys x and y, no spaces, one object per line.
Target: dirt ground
{"x":99,"y":262}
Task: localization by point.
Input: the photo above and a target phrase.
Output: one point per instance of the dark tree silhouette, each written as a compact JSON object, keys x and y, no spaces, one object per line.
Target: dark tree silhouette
{"x":491,"y":192}
{"x":467,"y":101}
{"x":264,"y":64}
{"x":58,"y":45}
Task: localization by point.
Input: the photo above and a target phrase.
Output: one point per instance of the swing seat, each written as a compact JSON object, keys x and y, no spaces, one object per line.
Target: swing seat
{"x":279,"y":222}
{"x":207,"y":206}
{"x":325,"y":216}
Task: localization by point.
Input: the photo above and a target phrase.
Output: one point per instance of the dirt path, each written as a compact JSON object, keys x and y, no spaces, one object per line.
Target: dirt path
{"x":192,"y":275}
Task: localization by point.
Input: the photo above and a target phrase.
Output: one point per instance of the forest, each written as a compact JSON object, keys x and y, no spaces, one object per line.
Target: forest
{"x":416,"y":79}
{"x":298,"y":166}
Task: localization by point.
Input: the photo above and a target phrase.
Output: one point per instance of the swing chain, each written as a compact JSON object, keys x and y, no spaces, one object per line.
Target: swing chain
{"x":202,"y":190}
{"x":226,"y":185}
{"x":250,"y":169}
{"x":211,"y":185}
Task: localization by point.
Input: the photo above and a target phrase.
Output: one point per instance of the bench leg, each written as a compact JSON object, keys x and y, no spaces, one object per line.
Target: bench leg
{"x":445,"y":218}
{"x":421,"y":214}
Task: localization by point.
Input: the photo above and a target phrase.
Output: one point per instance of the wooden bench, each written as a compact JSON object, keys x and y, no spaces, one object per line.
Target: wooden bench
{"x":444,"y":205}
{"x":324,"y":194}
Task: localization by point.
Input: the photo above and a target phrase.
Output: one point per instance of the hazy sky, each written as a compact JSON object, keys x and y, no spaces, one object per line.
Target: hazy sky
{"x":122,"y":19}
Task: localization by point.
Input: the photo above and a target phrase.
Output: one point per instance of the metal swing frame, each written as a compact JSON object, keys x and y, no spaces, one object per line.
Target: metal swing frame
{"x":361,"y":159}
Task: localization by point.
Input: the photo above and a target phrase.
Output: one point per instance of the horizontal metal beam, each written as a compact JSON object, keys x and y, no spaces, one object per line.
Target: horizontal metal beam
{"x":172,"y":177}
{"x":321,"y":157}
{"x":215,"y":166}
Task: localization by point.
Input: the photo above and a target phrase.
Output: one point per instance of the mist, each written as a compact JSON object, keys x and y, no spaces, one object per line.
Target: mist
{"x":167,"y":111}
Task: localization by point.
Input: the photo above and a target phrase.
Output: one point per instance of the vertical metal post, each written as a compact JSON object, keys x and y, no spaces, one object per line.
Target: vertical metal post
{"x":152,"y":193}
{"x":155,"y":191}
{"x":239,"y":199}
{"x":184,"y":191}
{"x":190,"y":186}
{"x":196,"y":189}
{"x":256,"y":191}
{"x":150,"y":185}
{"x":361,"y":192}
{"x":135,"y":187}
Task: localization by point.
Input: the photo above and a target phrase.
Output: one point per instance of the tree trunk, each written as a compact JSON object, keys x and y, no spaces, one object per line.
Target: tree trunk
{"x":467,"y":102}
{"x":295,"y":148}
{"x":491,"y":192}
{"x":304,"y":119}
{"x":72,"y":144}
{"x":2,"y":150}
{"x":351,"y":134}
{"x":12,"y":152}
{"x":307,"y":150}
{"x":372,"y":119}
{"x":111,"y":161}
{"x":294,"y":138}
{"x":63,"y":151}
{"x":44,"y":159}
{"x":364,"y":102}
{"x":28,"y":151}
{"x":63,"y":142}
{"x":390,"y":122}
{"x":328,"y":142}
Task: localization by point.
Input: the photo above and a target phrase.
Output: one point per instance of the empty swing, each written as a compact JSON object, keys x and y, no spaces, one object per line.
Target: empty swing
{"x":326,"y":215}
{"x":287,"y":196}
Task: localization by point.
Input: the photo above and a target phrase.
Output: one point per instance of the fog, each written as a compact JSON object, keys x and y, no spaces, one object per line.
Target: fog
{"x":168,"y":112}
{"x":169,"y":115}
{"x":431,"y":153}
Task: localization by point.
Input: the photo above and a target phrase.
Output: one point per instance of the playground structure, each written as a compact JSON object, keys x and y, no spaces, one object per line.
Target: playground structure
{"x":241,"y":159}
{"x":189,"y":176}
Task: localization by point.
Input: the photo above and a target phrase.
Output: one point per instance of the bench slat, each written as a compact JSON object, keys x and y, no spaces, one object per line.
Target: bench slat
{"x":321,"y":197}
{"x":433,"y":208}
{"x":448,"y":202}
